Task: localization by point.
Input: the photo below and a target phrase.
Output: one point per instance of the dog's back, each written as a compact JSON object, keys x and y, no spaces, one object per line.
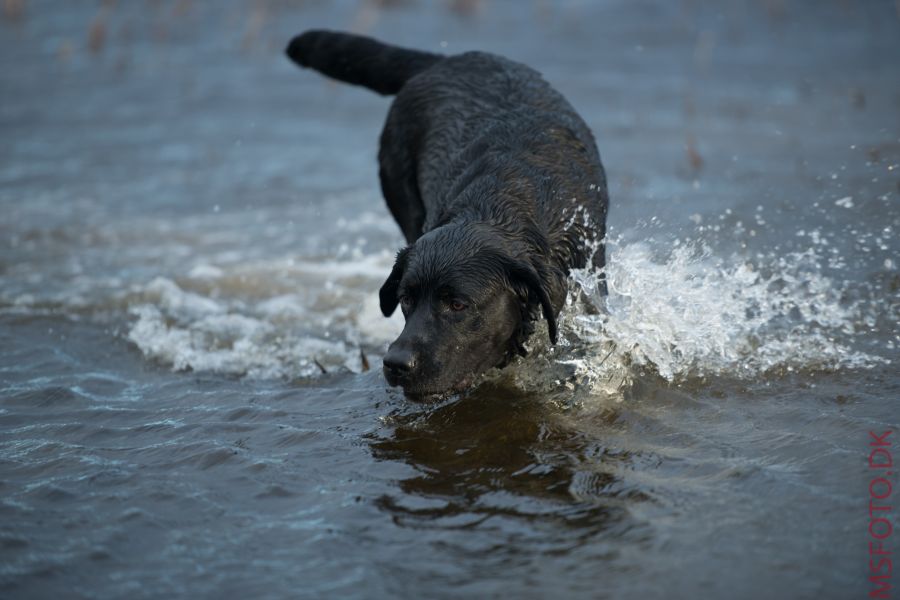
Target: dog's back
{"x":478,"y":114}
{"x":474,"y":118}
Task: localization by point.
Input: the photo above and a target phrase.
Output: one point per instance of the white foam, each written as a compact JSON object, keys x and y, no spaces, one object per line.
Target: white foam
{"x":205,"y":271}
{"x":226,"y":324}
{"x":845,"y":202}
{"x":235,"y":344}
{"x":177,"y":302}
{"x":372,"y":325}
{"x":691,"y":315}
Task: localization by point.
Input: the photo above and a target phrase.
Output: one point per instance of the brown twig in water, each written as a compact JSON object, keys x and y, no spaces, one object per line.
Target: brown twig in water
{"x":13,"y":10}
{"x":97,"y":33}
{"x":364,"y":360}
{"x":694,"y":157}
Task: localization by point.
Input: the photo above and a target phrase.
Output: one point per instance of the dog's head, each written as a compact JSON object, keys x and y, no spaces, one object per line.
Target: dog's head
{"x":469,"y":297}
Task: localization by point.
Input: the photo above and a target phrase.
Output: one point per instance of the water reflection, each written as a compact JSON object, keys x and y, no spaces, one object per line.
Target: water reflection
{"x":497,"y":454}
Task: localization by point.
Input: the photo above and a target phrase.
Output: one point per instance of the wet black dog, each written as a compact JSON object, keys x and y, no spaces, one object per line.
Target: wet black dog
{"x":497,"y":185}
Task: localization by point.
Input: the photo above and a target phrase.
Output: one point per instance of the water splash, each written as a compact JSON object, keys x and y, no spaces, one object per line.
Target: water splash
{"x":690,"y":314}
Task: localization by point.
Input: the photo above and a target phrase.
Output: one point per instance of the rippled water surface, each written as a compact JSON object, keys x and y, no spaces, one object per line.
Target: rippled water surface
{"x":191,"y":245}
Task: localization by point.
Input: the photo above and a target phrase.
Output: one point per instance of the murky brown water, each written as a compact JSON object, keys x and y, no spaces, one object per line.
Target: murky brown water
{"x":192,"y":232}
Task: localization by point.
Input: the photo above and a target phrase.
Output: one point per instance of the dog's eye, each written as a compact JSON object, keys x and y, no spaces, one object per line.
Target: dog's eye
{"x":457,"y":305}
{"x":405,"y":302}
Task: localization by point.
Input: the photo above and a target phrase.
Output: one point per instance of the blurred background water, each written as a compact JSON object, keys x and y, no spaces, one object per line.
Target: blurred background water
{"x":191,"y":242}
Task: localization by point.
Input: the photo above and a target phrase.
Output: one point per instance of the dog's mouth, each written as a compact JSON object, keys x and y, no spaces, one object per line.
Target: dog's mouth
{"x":422,"y":393}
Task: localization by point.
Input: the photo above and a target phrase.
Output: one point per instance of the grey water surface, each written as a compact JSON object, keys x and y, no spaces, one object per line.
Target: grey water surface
{"x":191,"y":242}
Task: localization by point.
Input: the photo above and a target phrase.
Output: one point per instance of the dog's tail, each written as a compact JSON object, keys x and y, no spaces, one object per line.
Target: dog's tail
{"x":359,"y":60}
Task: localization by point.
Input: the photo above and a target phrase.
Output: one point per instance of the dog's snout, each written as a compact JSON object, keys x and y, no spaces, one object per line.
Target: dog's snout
{"x":399,"y":363}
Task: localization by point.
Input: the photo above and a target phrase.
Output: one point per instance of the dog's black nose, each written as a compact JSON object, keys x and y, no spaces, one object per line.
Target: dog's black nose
{"x":398,"y":364}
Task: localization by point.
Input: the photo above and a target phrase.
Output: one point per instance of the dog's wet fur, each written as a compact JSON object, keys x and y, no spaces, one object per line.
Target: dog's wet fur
{"x":497,"y":185}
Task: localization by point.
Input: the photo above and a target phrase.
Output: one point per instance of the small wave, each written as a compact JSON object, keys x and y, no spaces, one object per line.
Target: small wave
{"x":220,"y":319}
{"x":232,"y":344}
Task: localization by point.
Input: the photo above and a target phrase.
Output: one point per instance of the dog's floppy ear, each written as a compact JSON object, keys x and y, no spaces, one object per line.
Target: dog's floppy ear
{"x":388,"y":293}
{"x":538,"y":287}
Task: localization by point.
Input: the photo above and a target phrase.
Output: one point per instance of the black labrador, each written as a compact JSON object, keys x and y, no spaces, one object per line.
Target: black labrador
{"x":497,"y":184}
